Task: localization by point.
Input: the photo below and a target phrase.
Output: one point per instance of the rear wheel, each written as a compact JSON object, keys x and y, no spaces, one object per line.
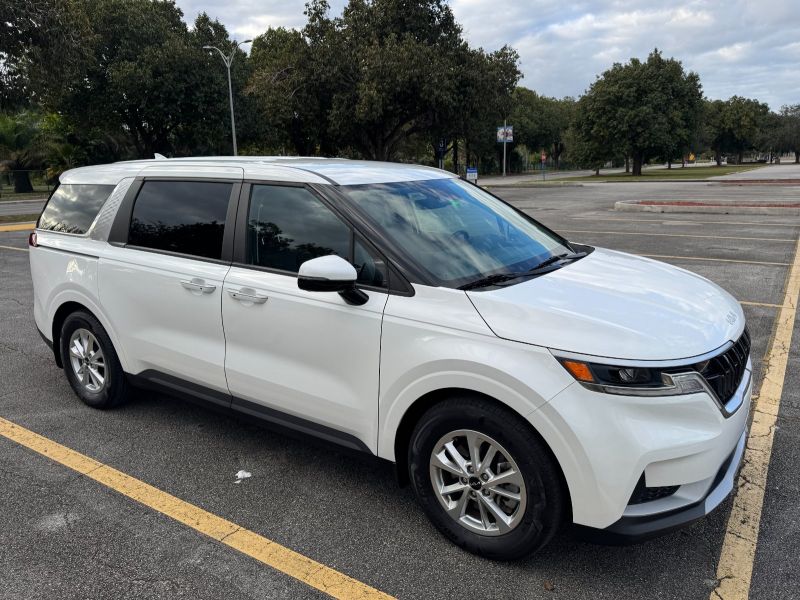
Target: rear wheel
{"x":485,"y":479}
{"x":90,"y":362}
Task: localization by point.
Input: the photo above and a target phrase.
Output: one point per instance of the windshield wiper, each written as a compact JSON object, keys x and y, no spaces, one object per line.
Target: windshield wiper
{"x":490,"y":280}
{"x":501,"y":277}
{"x":554,"y":259}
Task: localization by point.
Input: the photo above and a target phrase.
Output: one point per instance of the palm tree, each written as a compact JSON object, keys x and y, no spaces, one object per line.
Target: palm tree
{"x":20,"y":147}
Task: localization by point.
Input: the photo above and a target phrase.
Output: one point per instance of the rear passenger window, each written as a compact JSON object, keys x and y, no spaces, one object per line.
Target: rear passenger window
{"x":73,"y":207}
{"x":287,"y":226}
{"x":187,"y":217}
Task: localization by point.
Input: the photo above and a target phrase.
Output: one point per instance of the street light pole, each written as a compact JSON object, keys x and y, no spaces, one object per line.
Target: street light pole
{"x":228,"y":60}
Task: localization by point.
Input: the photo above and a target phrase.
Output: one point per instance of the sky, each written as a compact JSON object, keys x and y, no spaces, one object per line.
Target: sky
{"x":739,"y":47}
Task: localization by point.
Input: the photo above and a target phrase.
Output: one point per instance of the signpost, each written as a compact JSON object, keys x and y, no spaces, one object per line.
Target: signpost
{"x":505,"y":134}
{"x":544,"y":161}
{"x":472,"y":174}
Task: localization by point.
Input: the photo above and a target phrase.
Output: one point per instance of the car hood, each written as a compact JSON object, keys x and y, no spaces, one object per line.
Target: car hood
{"x":615,"y":305}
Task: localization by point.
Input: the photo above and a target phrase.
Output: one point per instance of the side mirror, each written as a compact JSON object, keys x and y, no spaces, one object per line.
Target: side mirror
{"x":331,"y":274}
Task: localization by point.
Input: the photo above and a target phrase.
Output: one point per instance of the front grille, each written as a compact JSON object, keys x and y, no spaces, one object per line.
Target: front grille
{"x":724,"y":372}
{"x":642,"y":493}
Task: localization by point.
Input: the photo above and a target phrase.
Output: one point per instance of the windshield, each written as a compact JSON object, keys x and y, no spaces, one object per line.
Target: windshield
{"x":454,"y":231}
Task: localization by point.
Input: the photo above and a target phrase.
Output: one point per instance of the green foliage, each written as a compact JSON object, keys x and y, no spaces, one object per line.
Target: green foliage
{"x":36,"y":35}
{"x":733,"y":126}
{"x":641,"y":109}
{"x":541,"y":123}
{"x":786,"y":133}
{"x":367,"y":82}
{"x":21,"y":147}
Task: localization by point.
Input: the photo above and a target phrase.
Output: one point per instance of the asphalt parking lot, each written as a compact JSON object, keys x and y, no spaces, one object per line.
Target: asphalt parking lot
{"x":66,"y":536}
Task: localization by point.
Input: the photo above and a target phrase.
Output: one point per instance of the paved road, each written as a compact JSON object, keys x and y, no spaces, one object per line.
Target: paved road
{"x":66,"y":536}
{"x":21,"y":208}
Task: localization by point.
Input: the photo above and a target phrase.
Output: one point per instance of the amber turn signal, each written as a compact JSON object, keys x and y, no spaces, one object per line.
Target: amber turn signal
{"x":578,"y":370}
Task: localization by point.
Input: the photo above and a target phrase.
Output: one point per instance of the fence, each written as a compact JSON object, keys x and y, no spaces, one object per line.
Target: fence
{"x":24,"y":184}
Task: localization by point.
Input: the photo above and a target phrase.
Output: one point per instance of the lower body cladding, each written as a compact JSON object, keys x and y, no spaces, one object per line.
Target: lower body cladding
{"x":637,"y":467}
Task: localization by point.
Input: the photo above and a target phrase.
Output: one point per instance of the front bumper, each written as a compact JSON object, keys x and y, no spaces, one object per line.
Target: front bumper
{"x":606,"y":444}
{"x":632,"y":529}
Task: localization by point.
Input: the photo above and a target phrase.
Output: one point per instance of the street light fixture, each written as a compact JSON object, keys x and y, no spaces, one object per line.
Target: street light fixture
{"x":228,"y":60}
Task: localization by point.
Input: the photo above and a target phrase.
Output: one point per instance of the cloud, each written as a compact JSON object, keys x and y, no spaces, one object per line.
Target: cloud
{"x":738,"y":47}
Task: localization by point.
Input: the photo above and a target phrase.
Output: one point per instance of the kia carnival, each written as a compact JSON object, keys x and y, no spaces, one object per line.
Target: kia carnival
{"x":519,"y":381}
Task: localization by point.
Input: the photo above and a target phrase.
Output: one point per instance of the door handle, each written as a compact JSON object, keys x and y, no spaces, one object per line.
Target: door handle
{"x":198,"y":285}
{"x":246,"y":297}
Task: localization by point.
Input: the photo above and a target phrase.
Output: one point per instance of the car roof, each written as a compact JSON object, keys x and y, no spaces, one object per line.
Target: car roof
{"x":298,"y":169}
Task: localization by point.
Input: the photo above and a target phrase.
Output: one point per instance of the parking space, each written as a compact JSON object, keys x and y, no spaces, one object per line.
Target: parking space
{"x":68,"y":536}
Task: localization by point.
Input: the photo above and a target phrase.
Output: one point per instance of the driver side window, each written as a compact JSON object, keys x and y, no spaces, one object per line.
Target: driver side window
{"x":287,"y":226}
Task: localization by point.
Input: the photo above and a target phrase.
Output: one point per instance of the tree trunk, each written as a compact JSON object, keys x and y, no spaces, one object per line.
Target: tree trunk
{"x":638,"y":159}
{"x":797,"y":158}
{"x":455,"y":156}
{"x":627,"y":164}
{"x":669,"y":163}
{"x":718,"y":157}
{"x":22,"y":182}
{"x":740,"y":158}
{"x":597,"y":172}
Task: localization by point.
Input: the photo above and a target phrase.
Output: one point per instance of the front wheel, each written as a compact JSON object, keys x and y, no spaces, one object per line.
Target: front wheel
{"x":485,"y":479}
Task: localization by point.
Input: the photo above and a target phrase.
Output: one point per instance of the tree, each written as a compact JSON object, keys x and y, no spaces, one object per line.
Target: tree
{"x":582,"y":151}
{"x":787,"y":133}
{"x":284,"y":92}
{"x":733,"y":126}
{"x":642,"y":109}
{"x":142,"y":73}
{"x":41,"y":48}
{"x":541,"y":123}
{"x":21,"y":147}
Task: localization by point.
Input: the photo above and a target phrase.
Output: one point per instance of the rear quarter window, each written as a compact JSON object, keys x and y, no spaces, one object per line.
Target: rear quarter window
{"x":73,"y":207}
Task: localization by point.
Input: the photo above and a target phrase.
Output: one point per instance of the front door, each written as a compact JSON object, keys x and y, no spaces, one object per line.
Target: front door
{"x":306,"y":359}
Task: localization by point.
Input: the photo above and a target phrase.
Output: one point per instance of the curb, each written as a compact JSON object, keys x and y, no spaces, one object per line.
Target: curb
{"x":631,"y":206}
{"x":518,"y":186}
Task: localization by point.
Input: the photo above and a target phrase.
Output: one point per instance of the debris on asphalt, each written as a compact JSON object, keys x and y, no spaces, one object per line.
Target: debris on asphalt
{"x":242,"y":475}
{"x":548,"y":585}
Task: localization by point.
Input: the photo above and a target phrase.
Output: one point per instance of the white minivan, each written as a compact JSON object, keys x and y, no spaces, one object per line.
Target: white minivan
{"x":518,"y":381}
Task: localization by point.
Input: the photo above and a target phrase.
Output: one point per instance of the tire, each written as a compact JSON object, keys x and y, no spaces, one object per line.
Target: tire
{"x":530,"y":522}
{"x":85,"y":329}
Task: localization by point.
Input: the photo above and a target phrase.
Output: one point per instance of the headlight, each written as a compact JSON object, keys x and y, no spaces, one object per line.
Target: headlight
{"x":634,"y":381}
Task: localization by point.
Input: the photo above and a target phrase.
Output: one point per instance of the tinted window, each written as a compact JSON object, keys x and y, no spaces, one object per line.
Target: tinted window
{"x":371,"y":269}
{"x":181,"y":216}
{"x":289,"y":225}
{"x":72,"y":208}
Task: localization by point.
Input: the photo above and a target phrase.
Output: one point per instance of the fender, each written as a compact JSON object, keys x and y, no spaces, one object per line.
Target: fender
{"x":64,"y":294}
{"x":425,"y":379}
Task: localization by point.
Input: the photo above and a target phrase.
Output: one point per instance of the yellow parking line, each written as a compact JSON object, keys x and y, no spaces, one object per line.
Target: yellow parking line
{"x":14,"y":248}
{"x":685,"y":235}
{"x":735,"y":567}
{"x":266,"y":551}
{"x":18,"y":226}
{"x":730,"y":260}
{"x":686,"y":220}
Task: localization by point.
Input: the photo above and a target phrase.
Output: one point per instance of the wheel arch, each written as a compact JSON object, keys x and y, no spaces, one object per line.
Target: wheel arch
{"x":68,"y":307}
{"x":425,"y":402}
